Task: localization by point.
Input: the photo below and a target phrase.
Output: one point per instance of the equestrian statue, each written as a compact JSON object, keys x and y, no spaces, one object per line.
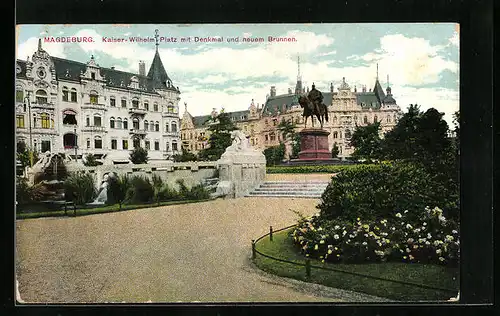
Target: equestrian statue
{"x":313,"y":105}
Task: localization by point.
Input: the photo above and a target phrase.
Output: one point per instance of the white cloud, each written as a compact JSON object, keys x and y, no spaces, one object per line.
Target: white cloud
{"x":213,"y":79}
{"x":30,"y":46}
{"x":455,"y":39}
{"x":328,"y":54}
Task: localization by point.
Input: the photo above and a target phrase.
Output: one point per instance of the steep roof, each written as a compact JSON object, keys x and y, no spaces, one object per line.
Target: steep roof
{"x":157,"y":73}
{"x":379,"y":92}
{"x":22,"y":65}
{"x":200,"y":121}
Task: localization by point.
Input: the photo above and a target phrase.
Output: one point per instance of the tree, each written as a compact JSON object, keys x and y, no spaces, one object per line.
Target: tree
{"x":117,"y":189}
{"x":23,"y":154}
{"x":335,"y":150}
{"x":287,"y":128}
{"x":185,"y":156}
{"x":366,"y":141}
{"x":91,"y":161}
{"x":220,"y":137}
{"x":157,"y":187}
{"x":296,"y":145}
{"x":79,"y":188}
{"x":274,"y":155}
{"x":139,"y":156}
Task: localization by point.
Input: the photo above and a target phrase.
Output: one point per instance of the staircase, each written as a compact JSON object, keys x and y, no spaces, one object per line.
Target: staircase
{"x":290,"y":189}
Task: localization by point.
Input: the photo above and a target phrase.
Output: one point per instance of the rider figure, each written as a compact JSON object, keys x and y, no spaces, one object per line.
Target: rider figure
{"x":316,"y":97}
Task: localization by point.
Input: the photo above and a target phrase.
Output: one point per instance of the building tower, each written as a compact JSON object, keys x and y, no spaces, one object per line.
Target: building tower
{"x":298,"y":86}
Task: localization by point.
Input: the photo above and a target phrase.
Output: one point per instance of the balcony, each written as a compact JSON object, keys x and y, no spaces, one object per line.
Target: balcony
{"x":95,"y":106}
{"x":44,"y":105}
{"x":139,"y":132}
{"x":137,"y":111}
{"x":39,"y":130}
{"x":171,"y":134}
{"x":170,"y":114}
{"x":94,"y":129}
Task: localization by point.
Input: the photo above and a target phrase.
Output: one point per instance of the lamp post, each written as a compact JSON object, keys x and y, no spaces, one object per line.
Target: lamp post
{"x":28,"y":103}
{"x":76,"y":145}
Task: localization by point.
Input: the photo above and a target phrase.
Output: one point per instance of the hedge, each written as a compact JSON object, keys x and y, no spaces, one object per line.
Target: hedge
{"x":312,"y":169}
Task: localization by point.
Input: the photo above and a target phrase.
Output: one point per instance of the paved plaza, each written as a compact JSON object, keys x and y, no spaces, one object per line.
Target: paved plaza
{"x":193,"y":252}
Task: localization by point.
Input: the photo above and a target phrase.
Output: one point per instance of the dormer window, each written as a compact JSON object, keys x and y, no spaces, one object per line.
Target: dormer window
{"x":41,"y":97}
{"x":93,"y":97}
{"x":92,"y":75}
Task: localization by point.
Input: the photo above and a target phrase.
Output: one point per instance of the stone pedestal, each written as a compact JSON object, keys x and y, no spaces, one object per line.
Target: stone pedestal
{"x":314,"y":144}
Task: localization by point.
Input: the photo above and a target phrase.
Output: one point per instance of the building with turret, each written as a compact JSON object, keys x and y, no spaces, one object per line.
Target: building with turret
{"x":347,"y":108}
{"x":77,"y":108}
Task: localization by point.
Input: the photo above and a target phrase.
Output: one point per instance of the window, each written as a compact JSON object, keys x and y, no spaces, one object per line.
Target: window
{"x":146,"y":144}
{"x":114,"y":144}
{"x":146,"y":106}
{"x":92,"y":75}
{"x":166,"y":128}
{"x":388,"y":118}
{"x":335,"y":135}
{"x":272,"y":137}
{"x":267,"y":137}
{"x":112,"y":123}
{"x":170,"y":108}
{"x":41,"y":97}
{"x":167,"y":146}
{"x":20,"y":121}
{"x":155,"y":107}
{"x":135,"y":123}
{"x":19,"y":95}
{"x":157,"y":145}
{"x":45,"y":118}
{"x":174,"y":145}
{"x":73,"y":95}
{"x":87,"y":121}
{"x":69,"y":140}
{"x":124,"y":103}
{"x":65,"y":94}
{"x":69,"y":117}
{"x":152,"y":127}
{"x":347,"y":134}
{"x":112,"y":101}
{"x":146,"y":124}
{"x":135,"y":104}
{"x":125,"y":123}
{"x":375,"y":119}
{"x":365,"y":120}
{"x":45,"y":145}
{"x":118,"y":123}
{"x":137,"y":143}
{"x":125,"y":144}
{"x":97,"y":120}
{"x":174,"y":127}
{"x":340,"y":134}
{"x":88,"y":143}
{"x":157,"y":127}
{"x":98,"y":142}
{"x":93,"y":98}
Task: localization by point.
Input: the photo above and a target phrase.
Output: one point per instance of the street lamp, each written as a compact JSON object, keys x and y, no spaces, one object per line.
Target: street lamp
{"x":28,"y":103}
{"x":76,"y":145}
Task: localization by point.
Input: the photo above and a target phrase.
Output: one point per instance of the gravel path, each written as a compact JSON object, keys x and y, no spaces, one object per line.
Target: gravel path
{"x":192,"y":252}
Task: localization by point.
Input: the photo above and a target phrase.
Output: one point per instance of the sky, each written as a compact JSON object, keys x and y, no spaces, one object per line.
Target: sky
{"x":421,"y":60}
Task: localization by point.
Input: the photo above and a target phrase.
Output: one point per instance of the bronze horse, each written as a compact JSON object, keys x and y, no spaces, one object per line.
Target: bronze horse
{"x":310,"y":109}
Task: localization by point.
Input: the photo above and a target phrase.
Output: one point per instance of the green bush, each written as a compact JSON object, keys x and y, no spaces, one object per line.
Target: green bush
{"x":26,"y":193}
{"x":310,"y":169}
{"x":168,"y":194}
{"x":429,"y":238}
{"x":140,"y":191}
{"x":374,"y":191}
{"x":79,"y":188}
{"x":117,"y":189}
{"x":91,"y":161}
{"x":274,"y":155}
{"x":197,"y":192}
{"x":139,"y":156}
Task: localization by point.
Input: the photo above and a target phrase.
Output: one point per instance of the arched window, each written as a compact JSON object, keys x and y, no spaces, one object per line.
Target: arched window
{"x":93,"y":97}
{"x":365,"y":119}
{"x":174,"y":127}
{"x":65,"y":94}
{"x":97,"y":120}
{"x":335,"y":135}
{"x":69,"y":117}
{"x":135,"y":123}
{"x":125,"y":123}
{"x":119,"y":123}
{"x":112,"y":122}
{"x":166,"y":128}
{"x":355,"y":118}
{"x":87,"y":121}
{"x":152,"y":127}
{"x":146,"y":105}
{"x":98,"y":142}
{"x":375,"y":119}
{"x":19,"y":94}
{"x":73,"y":95}
{"x":45,"y":119}
{"x":146,"y":124}
{"x":41,"y":97}
{"x":69,"y":140}
{"x":155,"y":107}
{"x":334,"y":120}
{"x":157,"y":126}
{"x":170,"y":108}
{"x":112,"y":102}
{"x":20,"y":121}
{"x":347,"y":134}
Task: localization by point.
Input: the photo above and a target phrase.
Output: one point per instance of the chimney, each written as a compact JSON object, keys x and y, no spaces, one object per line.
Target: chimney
{"x":273,"y":91}
{"x":142,"y":68}
{"x":113,"y":67}
{"x":331,"y":87}
{"x":364,"y":88}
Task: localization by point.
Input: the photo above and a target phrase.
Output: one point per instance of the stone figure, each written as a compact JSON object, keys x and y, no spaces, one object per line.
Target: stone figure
{"x":310,"y":109}
{"x":316,"y":97}
{"x":240,"y":142}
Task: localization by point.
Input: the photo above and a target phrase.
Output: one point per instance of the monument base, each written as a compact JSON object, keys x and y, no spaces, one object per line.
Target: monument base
{"x":314,"y":145}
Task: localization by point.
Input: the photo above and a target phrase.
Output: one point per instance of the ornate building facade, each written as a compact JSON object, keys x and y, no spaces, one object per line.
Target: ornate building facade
{"x":65,"y":106}
{"x":347,"y":108}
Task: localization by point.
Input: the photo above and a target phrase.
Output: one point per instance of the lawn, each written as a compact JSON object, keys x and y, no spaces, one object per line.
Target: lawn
{"x":102,"y":209}
{"x":428,"y":275}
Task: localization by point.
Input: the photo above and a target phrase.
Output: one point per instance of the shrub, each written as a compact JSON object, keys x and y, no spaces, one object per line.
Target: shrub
{"x":79,"y":188}
{"x":197,"y":192}
{"x":140,"y":190}
{"x":430,"y":238}
{"x":91,"y":161}
{"x":374,"y":191}
{"x":117,"y":189}
{"x":274,"y":155}
{"x":185,"y":156}
{"x":335,"y":150}
{"x":139,"y":156}
{"x":310,"y":169}
{"x":168,"y":194}
{"x":26,"y":193}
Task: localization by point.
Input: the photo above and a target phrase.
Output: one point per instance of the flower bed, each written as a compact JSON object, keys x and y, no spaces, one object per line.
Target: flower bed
{"x":430,"y":238}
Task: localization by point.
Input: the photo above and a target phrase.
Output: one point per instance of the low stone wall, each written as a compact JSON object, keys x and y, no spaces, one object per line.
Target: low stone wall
{"x":193,"y":173}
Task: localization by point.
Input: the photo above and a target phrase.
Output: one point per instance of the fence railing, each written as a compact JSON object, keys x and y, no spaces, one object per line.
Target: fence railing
{"x":308,"y":266}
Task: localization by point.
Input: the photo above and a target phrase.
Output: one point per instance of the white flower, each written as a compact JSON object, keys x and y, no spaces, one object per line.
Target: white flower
{"x":417,"y":230}
{"x":425,"y":224}
{"x":441,"y":259}
{"x":408,"y":226}
{"x":405,"y":211}
{"x":438,"y":251}
{"x":454,"y":232}
{"x":410,"y":240}
{"x":408,"y":250}
{"x":427,"y":243}
{"x":336,"y":236}
{"x":321,"y":241}
{"x":449,"y":238}
{"x":364,"y":243}
{"x":429,"y":236}
{"x":393,"y":228}
{"x":320,"y":229}
{"x":351,"y":235}
{"x":337,"y":226}
{"x":344,"y":233}
{"x":329,"y":252}
{"x":316,"y":247}
{"x":398,"y":215}
{"x":442,"y":218}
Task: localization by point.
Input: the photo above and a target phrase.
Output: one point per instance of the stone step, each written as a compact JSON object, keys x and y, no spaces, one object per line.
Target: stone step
{"x":276,"y":185}
{"x":287,"y":193}
{"x":284,"y":189}
{"x":297,"y":182}
{"x":303,"y":196}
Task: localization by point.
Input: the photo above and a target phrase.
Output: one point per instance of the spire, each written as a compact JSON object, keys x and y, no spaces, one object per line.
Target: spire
{"x":157,"y":72}
{"x":185,"y":106}
{"x":39,"y":44}
{"x":387,"y":81}
{"x":299,"y":77}
{"x":377,"y":71}
{"x":156,"y":39}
